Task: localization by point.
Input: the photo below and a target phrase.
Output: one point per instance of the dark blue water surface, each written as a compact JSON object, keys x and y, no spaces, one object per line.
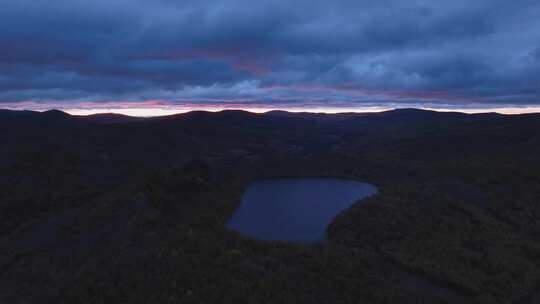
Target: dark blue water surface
{"x":296,"y":209}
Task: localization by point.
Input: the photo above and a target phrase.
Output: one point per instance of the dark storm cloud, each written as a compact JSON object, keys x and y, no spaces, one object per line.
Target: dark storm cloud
{"x":348,"y":52}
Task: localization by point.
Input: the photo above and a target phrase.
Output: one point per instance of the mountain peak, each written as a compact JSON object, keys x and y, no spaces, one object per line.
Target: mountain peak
{"x":56,"y":113}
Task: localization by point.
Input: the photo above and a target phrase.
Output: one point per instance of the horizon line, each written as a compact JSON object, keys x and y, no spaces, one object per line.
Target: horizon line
{"x":166,"y":111}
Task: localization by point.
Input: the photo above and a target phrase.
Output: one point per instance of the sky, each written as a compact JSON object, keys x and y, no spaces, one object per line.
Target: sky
{"x":155,"y":57}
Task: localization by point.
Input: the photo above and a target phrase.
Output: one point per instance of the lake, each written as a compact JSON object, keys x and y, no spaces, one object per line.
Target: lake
{"x":295,"y":209}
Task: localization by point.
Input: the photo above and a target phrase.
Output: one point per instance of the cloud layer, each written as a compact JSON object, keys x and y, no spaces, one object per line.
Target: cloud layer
{"x":300,"y":53}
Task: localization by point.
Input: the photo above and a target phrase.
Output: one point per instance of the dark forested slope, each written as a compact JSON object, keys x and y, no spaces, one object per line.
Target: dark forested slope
{"x":113,"y":209}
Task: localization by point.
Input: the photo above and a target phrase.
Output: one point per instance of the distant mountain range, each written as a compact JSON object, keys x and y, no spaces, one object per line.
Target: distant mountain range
{"x":404,"y":113}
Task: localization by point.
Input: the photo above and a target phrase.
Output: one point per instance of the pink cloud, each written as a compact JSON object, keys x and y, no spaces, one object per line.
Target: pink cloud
{"x":244,"y":59}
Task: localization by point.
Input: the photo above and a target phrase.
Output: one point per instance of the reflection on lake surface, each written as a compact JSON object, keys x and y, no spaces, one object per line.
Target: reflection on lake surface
{"x":295,"y":209}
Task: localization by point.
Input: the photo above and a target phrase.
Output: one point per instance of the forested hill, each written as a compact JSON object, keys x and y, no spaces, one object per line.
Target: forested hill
{"x":116,"y":209}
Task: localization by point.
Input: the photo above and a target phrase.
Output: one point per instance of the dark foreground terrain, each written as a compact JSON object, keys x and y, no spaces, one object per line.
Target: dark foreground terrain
{"x":113,"y":209}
